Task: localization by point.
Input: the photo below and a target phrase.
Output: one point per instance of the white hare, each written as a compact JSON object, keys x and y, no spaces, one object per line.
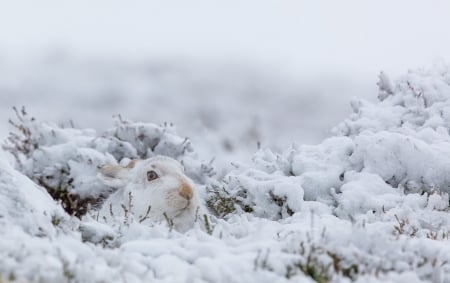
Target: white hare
{"x":155,"y":189}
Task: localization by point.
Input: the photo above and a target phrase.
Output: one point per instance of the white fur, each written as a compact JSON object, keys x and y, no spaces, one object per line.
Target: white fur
{"x":162,"y":194}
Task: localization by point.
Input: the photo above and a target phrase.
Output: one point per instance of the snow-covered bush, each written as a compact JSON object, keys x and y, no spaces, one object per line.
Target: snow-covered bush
{"x":65,"y":160}
{"x":404,"y":139}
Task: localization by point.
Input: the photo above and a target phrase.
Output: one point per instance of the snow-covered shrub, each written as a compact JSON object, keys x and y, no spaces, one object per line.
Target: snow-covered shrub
{"x":65,"y":160}
{"x":263,"y":190}
{"x":275,"y":185}
{"x":404,"y":139}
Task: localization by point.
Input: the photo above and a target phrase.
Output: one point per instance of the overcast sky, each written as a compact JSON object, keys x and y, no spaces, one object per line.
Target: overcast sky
{"x":351,"y":37}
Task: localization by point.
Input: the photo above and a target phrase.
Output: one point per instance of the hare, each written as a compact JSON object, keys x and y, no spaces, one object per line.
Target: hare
{"x":155,"y":189}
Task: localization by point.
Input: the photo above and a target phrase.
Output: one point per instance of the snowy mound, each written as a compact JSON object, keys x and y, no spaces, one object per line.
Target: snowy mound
{"x":370,"y":204}
{"x":25,"y":205}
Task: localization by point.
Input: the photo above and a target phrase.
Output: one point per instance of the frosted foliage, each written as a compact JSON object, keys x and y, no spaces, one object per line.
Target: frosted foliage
{"x":404,"y":139}
{"x":385,"y":86}
{"x":369,"y":204}
{"x":65,"y":161}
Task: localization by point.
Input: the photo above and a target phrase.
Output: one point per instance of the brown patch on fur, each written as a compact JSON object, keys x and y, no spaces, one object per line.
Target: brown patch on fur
{"x":186,"y":191}
{"x":110,"y":170}
{"x":132,"y":163}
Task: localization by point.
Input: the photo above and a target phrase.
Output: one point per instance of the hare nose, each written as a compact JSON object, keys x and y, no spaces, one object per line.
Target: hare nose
{"x":186,"y":191}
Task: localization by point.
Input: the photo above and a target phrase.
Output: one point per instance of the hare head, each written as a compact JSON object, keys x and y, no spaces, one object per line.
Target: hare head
{"x":155,"y":188}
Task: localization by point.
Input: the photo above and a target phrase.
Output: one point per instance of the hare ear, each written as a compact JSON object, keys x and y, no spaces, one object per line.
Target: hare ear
{"x":113,"y":175}
{"x":132,"y":163}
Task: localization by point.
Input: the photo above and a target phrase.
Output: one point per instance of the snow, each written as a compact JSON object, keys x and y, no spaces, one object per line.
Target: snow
{"x":24,"y":204}
{"x":369,"y":204}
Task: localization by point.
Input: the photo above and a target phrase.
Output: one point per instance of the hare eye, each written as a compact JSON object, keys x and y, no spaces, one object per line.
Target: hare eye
{"x":151,"y":175}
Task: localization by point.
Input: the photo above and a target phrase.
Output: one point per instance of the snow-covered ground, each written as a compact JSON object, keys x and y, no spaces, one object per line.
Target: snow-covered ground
{"x":369,"y":203}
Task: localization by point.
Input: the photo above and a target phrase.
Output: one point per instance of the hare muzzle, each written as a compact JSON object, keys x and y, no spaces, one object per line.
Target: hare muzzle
{"x":186,"y":191}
